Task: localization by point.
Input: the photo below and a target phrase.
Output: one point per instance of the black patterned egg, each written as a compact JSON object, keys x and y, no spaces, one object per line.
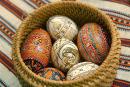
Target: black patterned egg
{"x":51,"y":74}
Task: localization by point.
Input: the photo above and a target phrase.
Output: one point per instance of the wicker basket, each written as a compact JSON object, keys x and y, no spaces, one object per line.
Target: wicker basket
{"x":80,"y":13}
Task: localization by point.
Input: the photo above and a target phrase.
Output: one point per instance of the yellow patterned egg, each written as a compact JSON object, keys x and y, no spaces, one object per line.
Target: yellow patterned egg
{"x":64,"y":54}
{"x":62,"y":26}
{"x":36,"y":49}
{"x":80,"y":70}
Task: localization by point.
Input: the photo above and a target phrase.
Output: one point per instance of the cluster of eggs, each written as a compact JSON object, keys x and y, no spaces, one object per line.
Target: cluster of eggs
{"x":37,"y":51}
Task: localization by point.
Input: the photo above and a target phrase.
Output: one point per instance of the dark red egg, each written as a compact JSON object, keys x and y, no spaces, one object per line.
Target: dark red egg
{"x":92,"y":43}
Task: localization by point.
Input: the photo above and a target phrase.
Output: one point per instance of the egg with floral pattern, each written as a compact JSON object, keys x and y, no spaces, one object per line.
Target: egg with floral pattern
{"x":51,"y":74}
{"x":81,"y":70}
{"x":92,"y":43}
{"x":64,"y":54}
{"x":62,"y":26}
{"x":36,"y":49}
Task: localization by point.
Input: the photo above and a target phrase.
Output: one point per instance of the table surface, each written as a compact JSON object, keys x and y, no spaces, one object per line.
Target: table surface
{"x":12,"y":12}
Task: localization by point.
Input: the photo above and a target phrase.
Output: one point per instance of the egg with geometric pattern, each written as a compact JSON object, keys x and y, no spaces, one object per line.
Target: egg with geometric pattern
{"x":61,"y":26}
{"x":81,"y":70}
{"x":64,"y":54}
{"x":92,"y":43}
{"x":36,"y":49}
{"x":51,"y":74}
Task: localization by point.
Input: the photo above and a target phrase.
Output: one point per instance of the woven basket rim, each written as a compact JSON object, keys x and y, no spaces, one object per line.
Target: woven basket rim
{"x":17,"y":44}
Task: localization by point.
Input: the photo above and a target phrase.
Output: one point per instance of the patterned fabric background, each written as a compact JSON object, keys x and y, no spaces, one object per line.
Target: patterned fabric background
{"x":12,"y":12}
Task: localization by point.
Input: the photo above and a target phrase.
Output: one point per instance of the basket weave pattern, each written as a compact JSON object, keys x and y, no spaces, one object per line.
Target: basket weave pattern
{"x":80,"y":13}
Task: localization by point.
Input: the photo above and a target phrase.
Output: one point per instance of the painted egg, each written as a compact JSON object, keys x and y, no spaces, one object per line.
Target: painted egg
{"x":92,"y":43}
{"x":80,"y":70}
{"x":52,"y":74}
{"x":62,"y":26}
{"x":64,"y":54}
{"x":36,"y":49}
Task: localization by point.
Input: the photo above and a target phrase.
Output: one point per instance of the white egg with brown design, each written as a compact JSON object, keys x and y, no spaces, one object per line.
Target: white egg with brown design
{"x":64,"y":54}
{"x":62,"y":26}
{"x":81,"y":70}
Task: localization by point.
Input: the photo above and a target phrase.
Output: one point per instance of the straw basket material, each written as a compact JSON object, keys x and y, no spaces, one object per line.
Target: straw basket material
{"x":81,"y":14}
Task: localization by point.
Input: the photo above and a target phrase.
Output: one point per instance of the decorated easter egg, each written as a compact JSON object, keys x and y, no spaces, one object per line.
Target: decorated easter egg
{"x":92,"y":43}
{"x":81,"y":70}
{"x":52,"y":74}
{"x":36,"y":49}
{"x":62,"y":26}
{"x":64,"y":54}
